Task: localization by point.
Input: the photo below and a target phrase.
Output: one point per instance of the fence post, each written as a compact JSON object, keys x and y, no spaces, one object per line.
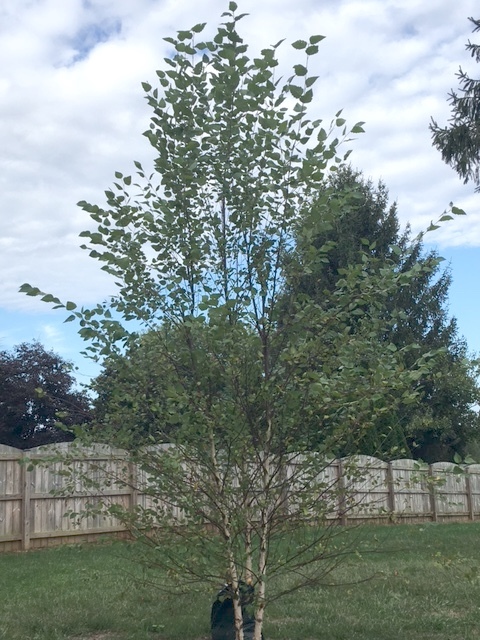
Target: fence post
{"x":342,"y":505}
{"x":26,"y":502}
{"x":470,"y":505}
{"x":133,"y":480}
{"x":284,"y":492}
{"x":390,"y":489}
{"x":432,"y":492}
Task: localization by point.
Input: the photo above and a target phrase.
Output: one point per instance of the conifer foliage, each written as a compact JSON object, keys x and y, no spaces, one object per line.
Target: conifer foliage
{"x":459,"y":141}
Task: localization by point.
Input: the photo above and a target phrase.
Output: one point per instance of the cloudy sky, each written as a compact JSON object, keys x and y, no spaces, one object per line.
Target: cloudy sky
{"x":72,"y":112}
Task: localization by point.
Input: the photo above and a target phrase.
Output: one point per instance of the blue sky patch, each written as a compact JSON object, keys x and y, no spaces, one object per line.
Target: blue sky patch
{"x":88,"y":37}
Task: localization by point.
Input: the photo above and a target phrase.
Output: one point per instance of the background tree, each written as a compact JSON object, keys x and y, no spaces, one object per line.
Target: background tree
{"x":444,"y":422}
{"x":37,"y":391}
{"x":459,"y":142}
{"x":197,"y":250}
{"x":368,"y":225}
{"x":131,"y":394}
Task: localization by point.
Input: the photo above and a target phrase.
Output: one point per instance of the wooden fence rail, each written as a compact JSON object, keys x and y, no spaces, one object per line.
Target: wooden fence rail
{"x":32,"y":514}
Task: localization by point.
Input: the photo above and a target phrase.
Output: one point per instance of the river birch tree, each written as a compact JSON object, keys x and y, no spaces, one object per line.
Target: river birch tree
{"x":198,"y":250}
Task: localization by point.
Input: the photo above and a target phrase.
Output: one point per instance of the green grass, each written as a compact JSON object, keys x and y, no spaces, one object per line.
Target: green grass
{"x":425,"y":587}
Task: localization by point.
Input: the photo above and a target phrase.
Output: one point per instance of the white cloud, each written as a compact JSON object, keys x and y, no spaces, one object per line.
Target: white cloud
{"x":52,"y":334}
{"x":72,"y":111}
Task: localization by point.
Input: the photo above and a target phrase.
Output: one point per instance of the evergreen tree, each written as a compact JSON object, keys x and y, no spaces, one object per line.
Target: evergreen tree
{"x":368,"y":220}
{"x":445,"y":421}
{"x":459,"y":142}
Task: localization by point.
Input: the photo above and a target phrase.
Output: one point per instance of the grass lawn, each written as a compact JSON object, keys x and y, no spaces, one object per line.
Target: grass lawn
{"x":425,"y":586}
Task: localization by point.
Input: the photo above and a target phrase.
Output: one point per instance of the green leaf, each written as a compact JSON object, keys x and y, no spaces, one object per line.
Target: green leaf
{"x":307,"y":96}
{"x":146,"y":86}
{"x":198,"y":28}
{"x":296,"y":91}
{"x":316,"y":39}
{"x":300,"y":70}
{"x":49,"y":298}
{"x":311,"y":80}
{"x":299,"y":44}
{"x":29,"y":290}
{"x":358,"y":128}
{"x":70,"y":306}
{"x":322,"y":135}
{"x":232,"y":6}
{"x":184,"y":35}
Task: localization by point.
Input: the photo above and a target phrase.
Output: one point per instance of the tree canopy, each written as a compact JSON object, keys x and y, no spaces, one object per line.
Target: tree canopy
{"x":37,"y":393}
{"x":459,"y":141}
{"x":132,"y":388}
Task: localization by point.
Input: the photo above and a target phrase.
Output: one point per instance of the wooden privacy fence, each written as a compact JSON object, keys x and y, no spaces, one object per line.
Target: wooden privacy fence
{"x":33,"y":514}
